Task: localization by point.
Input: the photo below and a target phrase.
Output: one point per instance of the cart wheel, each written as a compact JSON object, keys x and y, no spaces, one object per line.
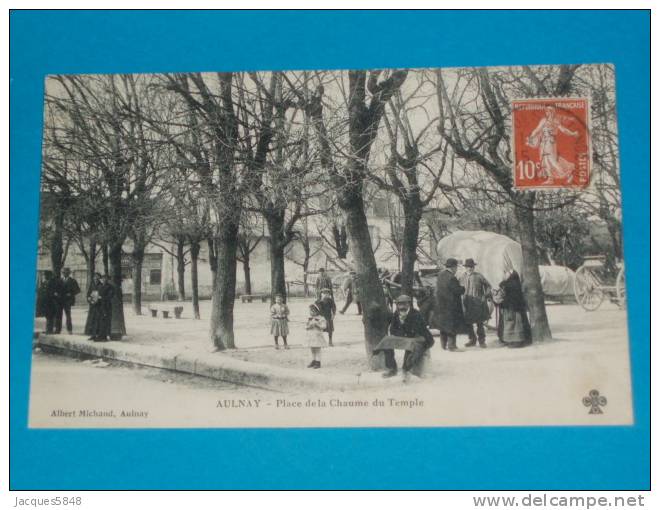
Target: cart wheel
{"x":621,"y":288}
{"x":587,"y":289}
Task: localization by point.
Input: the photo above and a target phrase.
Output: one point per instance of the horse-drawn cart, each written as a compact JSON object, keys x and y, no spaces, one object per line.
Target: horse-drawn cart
{"x":594,"y":281}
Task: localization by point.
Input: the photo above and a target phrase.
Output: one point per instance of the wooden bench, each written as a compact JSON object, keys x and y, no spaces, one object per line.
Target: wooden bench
{"x":247,"y":298}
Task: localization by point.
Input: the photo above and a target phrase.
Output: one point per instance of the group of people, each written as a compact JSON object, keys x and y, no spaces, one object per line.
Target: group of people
{"x":55,"y":298}
{"x":465,"y":303}
{"x":459,"y":306}
{"x":57,"y":295}
{"x":320,"y":322}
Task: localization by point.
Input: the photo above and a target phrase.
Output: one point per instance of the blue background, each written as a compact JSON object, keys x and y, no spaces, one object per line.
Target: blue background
{"x":460,"y":458}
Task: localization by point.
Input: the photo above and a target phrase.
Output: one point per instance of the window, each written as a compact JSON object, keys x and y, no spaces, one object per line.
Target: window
{"x":154,"y":277}
{"x":380,"y":208}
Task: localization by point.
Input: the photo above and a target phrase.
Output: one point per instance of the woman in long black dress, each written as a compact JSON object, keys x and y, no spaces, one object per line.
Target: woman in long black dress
{"x":94,"y":312}
{"x":107,"y":292}
{"x":513,"y":326}
{"x":95,"y":326}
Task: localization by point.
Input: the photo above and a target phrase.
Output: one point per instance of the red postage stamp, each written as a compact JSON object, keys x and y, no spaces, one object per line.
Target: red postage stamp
{"x":551,"y":143}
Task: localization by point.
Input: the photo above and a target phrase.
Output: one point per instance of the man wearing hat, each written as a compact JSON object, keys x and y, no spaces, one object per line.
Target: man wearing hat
{"x":448,"y":313}
{"x":406,"y":322}
{"x":475,"y":303}
{"x":70,"y":289}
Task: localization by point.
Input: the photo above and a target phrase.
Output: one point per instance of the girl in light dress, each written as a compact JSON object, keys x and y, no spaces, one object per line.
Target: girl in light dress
{"x":315,"y":327}
{"x":279,"y":321}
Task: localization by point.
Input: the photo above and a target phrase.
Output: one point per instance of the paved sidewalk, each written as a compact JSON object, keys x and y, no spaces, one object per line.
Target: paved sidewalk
{"x":217,"y":365}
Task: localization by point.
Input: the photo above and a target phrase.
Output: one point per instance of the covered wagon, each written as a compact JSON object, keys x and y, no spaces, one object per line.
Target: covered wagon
{"x":497,"y":253}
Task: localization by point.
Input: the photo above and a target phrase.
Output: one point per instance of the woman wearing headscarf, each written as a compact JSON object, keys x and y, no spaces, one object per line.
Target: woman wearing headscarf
{"x":513,"y":326}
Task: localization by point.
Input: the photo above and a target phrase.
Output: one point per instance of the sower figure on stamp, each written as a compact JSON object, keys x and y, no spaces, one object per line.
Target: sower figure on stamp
{"x":352,"y":288}
{"x":407,"y":331}
{"x":475,"y":303}
{"x":323,"y":281}
{"x":448,"y":313}
{"x":544,"y":137}
{"x":70,"y":289}
{"x":328,"y":310}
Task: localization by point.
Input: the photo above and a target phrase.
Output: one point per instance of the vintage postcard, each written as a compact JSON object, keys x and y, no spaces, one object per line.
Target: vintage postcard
{"x":378,"y":248}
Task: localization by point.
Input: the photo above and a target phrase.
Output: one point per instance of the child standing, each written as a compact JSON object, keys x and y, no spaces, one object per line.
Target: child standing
{"x":328,"y":309}
{"x":315,"y":338}
{"x":279,"y":321}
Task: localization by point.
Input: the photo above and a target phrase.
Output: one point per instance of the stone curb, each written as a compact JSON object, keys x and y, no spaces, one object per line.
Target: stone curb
{"x":213,"y":365}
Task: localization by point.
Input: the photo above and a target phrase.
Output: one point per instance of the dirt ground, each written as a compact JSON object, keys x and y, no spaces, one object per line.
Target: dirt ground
{"x":575,"y":331}
{"x":540,"y":385}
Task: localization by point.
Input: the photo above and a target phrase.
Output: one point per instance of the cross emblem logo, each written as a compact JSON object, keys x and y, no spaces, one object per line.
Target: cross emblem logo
{"x":594,"y":401}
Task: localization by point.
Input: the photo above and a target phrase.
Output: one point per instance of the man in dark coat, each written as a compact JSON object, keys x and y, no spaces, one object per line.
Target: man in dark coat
{"x":328,"y":310}
{"x":70,"y":289}
{"x":475,"y":303}
{"x":48,"y":300}
{"x":323,"y":281}
{"x":407,"y":322}
{"x":448,"y":313}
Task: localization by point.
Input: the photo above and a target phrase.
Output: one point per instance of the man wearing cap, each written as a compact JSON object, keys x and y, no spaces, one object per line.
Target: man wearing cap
{"x":323,"y":281}
{"x":475,"y":303}
{"x":448,"y":313}
{"x":406,"y":322}
{"x":70,"y":289}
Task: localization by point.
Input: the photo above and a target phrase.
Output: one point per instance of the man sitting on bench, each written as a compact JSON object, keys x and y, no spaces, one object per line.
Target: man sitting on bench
{"x":408,"y":331}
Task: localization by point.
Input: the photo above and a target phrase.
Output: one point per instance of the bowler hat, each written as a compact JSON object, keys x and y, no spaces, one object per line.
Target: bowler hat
{"x":451,"y":262}
{"x":469,"y":263}
{"x":403,"y":298}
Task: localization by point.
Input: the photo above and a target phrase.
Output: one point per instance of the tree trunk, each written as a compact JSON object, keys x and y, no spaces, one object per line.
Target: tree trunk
{"x":375,"y":314}
{"x":194,"y":255}
{"x":275,"y":224}
{"x":118,"y":326}
{"x":224,"y":293}
{"x":105,"y":257}
{"x":136,"y":274}
{"x":180,"y":270}
{"x":305,"y":267}
{"x":91,"y":263}
{"x":136,"y":297}
{"x":531,"y":278}
{"x":341,"y":243}
{"x":213,"y":260}
{"x":413,"y":215}
{"x":56,"y":248}
{"x":246,"y":274}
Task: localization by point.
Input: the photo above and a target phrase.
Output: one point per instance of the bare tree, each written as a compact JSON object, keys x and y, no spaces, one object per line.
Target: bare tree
{"x":310,"y":246}
{"x":475,"y":119}
{"x":96,"y":127}
{"x":249,"y":237}
{"x":368,"y":93}
{"x":413,"y":172}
